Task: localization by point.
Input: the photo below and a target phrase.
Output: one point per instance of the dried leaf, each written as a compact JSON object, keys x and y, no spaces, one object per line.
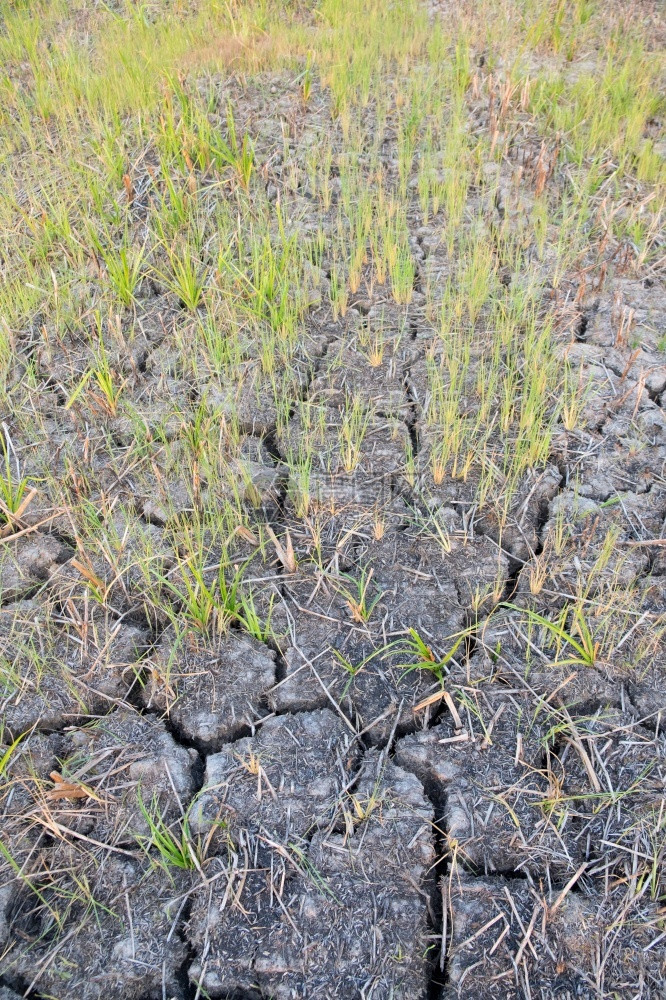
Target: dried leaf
{"x":63,"y":789}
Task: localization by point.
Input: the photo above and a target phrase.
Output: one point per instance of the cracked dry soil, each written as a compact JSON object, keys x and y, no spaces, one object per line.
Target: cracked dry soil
{"x":352,"y":824}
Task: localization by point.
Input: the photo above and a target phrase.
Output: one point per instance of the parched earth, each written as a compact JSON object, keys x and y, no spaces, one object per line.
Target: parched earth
{"x":314,"y":810}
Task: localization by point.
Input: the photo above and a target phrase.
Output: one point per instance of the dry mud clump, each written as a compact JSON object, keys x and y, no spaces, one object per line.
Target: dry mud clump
{"x":332,"y":501}
{"x":558,"y":941}
{"x":337,"y":915}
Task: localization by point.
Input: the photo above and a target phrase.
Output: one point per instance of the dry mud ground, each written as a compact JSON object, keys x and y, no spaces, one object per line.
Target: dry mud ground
{"x":283,"y":798}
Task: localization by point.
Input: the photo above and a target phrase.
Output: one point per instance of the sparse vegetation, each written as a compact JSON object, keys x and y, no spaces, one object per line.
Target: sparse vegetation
{"x":332,"y":498}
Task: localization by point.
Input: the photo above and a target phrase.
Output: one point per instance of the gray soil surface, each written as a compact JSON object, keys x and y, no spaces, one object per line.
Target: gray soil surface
{"x":351,"y":825}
